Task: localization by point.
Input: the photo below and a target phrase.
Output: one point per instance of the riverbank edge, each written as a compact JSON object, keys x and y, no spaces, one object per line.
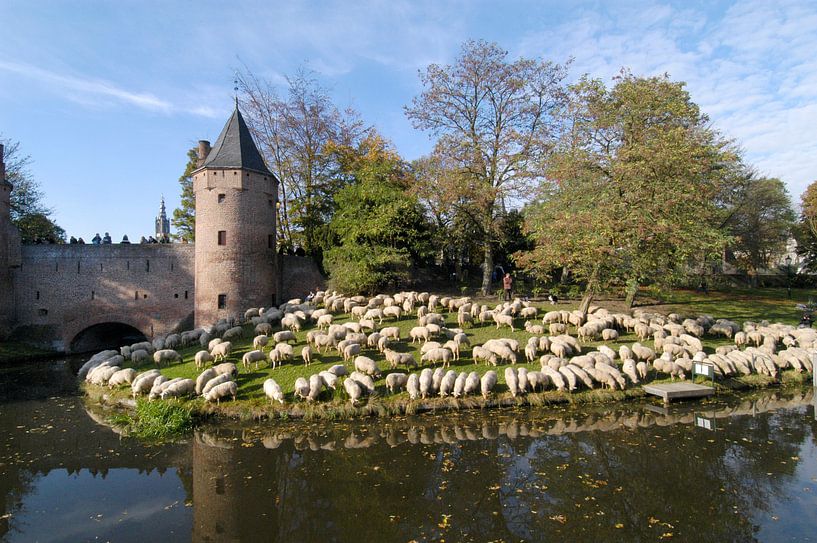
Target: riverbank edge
{"x":338,"y":409}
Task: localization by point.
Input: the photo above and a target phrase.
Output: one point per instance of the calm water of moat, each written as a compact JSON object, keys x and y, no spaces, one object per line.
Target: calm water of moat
{"x":724,"y":471}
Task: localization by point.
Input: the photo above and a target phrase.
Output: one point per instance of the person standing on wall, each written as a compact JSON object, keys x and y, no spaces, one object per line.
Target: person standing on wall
{"x":507,"y":284}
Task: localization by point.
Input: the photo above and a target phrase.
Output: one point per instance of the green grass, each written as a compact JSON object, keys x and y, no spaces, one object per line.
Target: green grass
{"x":156,"y":421}
{"x":758,"y":305}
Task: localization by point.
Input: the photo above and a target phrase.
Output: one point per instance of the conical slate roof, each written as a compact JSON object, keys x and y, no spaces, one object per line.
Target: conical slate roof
{"x":235,"y":148}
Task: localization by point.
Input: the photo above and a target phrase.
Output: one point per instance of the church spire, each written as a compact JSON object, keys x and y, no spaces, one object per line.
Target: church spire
{"x":162,"y":223}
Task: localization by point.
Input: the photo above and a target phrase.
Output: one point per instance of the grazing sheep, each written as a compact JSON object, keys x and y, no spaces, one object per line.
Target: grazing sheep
{"x":436,"y":379}
{"x":555,"y":377}
{"x":144,"y":382}
{"x":522,"y":380}
{"x":425,"y":382}
{"x":512,"y":381}
{"x":226,"y":368}
{"x":350,"y":351}
{"x":252,"y":356}
{"x":609,"y":334}
{"x":557,"y":328}
{"x":201,"y":358}
{"x":236,"y":332}
{"x":301,"y":388}
{"x":329,"y":379}
{"x":569,"y":376}
{"x":215,"y":381}
{"x":306,"y":354}
{"x":158,"y":384}
{"x":628,"y":368}
{"x":203,"y":378}
{"x":315,"y":387}
{"x":481,"y":353}
{"x":167,"y":356}
{"x":284,"y":336}
{"x":487,"y":383}
{"x":264,"y":328}
{"x":367,"y":366}
{"x":392,"y":332}
{"x":221,"y":351}
{"x":338,"y":369}
{"x":365,"y":382}
{"x":212,"y":343}
{"x":417,"y":333}
{"x":122,"y":377}
{"x":179,"y":389}
{"x":438,"y":355}
{"x":507,"y":320}
{"x":447,"y":383}
{"x":459,"y":385}
{"x":260,"y":341}
{"x":353,"y":389}
{"x":222,"y":391}
{"x":139,"y":357}
{"x":413,"y":386}
{"x":396,"y":381}
{"x":281,"y":352}
{"x":395,"y":358}
{"x":471,"y":383}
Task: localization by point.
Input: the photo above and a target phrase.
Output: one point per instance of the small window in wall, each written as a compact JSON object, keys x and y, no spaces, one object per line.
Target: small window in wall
{"x":185,"y":294}
{"x":270,"y":202}
{"x":145,"y":296}
{"x":100,"y":267}
{"x":171,"y":266}
{"x":57,"y":267}
{"x":93,"y":294}
{"x":127,"y":264}
{"x":222,"y":301}
{"x":222,"y":237}
{"x":77,"y":266}
{"x":38,"y":294}
{"x":221,"y":198}
{"x":136,"y":295}
{"x":270,"y":241}
{"x":176,"y":295}
{"x":147,"y":265}
{"x":42,"y":312}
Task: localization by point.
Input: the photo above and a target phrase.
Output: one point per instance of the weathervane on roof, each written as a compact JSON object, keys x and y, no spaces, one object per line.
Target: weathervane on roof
{"x":235,"y":88}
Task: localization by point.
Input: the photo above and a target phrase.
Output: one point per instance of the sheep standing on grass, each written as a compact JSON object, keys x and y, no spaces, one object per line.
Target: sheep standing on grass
{"x":167,"y":356}
{"x":223,"y":390}
{"x":252,"y":356}
{"x":512,"y":381}
{"x":143,"y":382}
{"x":221,"y":351}
{"x":179,"y":389}
{"x":215,"y":381}
{"x":487,"y":383}
{"x":396,"y":381}
{"x":139,"y":357}
{"x":201,"y":358}
{"x":122,"y":377}
{"x":424,"y":382}
{"x":353,"y":390}
{"x":260,"y":341}
{"x":413,"y":386}
{"x":273,"y":391}
{"x":203,"y":378}
{"x":366,"y":365}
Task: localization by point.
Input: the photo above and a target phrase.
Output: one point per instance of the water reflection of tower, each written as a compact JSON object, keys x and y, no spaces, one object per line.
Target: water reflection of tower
{"x":231,"y":502}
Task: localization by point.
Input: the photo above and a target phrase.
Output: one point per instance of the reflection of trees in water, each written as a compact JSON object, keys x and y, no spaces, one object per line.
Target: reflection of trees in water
{"x":532,"y":475}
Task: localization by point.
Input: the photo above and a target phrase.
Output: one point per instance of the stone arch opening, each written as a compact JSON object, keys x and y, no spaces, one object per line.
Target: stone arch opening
{"x":105,"y":335}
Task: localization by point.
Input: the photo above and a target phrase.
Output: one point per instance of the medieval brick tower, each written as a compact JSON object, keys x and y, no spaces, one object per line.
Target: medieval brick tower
{"x":236,"y":198}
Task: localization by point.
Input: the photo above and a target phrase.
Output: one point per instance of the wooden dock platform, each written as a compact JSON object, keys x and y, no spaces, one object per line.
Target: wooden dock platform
{"x":676,"y":391}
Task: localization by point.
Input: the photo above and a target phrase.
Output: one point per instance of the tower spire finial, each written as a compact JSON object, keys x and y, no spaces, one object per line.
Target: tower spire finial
{"x":235,"y":89}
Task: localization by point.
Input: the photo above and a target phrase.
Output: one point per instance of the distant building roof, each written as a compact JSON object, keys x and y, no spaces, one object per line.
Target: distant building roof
{"x":235,"y":148}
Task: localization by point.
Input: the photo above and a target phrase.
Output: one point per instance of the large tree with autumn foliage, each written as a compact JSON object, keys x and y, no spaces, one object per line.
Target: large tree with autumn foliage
{"x":632,"y":189}
{"x":494,"y":123}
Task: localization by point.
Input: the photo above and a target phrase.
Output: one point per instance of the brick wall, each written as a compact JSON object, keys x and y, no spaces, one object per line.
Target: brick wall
{"x":300,"y":275}
{"x":62,"y":289}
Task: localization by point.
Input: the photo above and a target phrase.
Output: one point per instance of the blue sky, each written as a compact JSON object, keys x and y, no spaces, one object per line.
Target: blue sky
{"x":107,"y":96}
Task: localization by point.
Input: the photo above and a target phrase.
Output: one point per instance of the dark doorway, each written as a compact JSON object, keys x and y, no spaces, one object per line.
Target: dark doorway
{"x":107,"y":335}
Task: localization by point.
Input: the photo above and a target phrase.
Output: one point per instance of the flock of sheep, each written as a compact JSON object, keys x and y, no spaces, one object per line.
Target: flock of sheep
{"x":564,"y":364}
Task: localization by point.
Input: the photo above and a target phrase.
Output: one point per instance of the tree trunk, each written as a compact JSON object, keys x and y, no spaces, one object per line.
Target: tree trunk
{"x":631,"y":292}
{"x":586,"y":301}
{"x":487,"y":267}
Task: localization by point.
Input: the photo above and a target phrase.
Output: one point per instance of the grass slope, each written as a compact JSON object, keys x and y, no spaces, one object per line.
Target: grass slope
{"x":252,"y":402}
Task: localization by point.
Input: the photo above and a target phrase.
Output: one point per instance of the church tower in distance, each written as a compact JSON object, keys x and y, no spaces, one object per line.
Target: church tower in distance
{"x":236,"y":197}
{"x":162,"y":223}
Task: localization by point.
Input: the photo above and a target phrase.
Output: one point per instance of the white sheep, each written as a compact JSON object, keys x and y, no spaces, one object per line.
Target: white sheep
{"x":487,"y":383}
{"x":353,"y":390}
{"x":167,"y":356}
{"x":260,"y":341}
{"x":201,"y":358}
{"x":447,"y":383}
{"x":181,"y":388}
{"x":329,"y":379}
{"x":144,"y":382}
{"x":413,"y":386}
{"x":315,"y":387}
{"x":417,"y":333}
{"x":396,"y":381}
{"x":367,"y":366}
{"x":424,"y":382}
{"x":212,"y":343}
{"x":221,"y":351}
{"x":338,"y":369}
{"x":226,"y":368}
{"x":215,"y":381}
{"x":392,"y":332}
{"x":283,"y":336}
{"x":223,"y":390}
{"x":139,"y":357}
{"x":438,"y":355}
{"x":203,"y":378}
{"x":306,"y":355}
{"x":236,"y":332}
{"x":301,"y":388}
{"x":122,"y":377}
{"x":252,"y":356}
{"x":512,"y":381}
{"x":459,"y":385}
{"x":281,"y":352}
{"x":471,"y":383}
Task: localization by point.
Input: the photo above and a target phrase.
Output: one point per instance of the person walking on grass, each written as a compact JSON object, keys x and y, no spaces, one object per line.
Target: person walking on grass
{"x":507,"y":285}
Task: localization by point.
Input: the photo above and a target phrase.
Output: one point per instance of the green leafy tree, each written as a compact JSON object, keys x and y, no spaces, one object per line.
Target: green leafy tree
{"x":760,"y":224}
{"x":494,"y":121}
{"x":28,"y":212}
{"x":184,"y":217}
{"x":633,"y":187}
{"x":379,"y":230}
{"x":806,"y":229}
